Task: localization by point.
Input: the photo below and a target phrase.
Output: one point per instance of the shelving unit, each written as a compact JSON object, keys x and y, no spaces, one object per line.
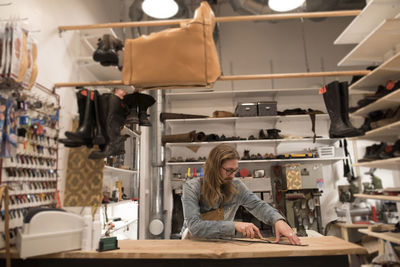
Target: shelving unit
{"x":377,"y":32}
{"x":391,"y":100}
{"x":388,"y":70}
{"x":372,"y":50}
{"x":365,"y":22}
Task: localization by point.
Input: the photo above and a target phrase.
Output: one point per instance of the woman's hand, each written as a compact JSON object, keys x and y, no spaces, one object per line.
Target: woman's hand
{"x":248,"y":230}
{"x":282,"y":228}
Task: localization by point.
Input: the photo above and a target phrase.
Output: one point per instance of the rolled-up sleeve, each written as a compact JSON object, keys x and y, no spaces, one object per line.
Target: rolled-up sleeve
{"x":260,"y":209}
{"x":197,"y":227}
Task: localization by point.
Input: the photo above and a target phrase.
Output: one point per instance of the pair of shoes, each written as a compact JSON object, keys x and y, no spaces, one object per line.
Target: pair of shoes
{"x":390,"y":116}
{"x":246,"y":155}
{"x":269,"y":156}
{"x":271,"y":134}
{"x":138,"y":104}
{"x":377,"y":152}
{"x":107,"y":50}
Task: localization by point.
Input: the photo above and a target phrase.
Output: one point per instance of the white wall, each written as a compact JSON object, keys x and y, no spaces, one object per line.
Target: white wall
{"x":57,"y":53}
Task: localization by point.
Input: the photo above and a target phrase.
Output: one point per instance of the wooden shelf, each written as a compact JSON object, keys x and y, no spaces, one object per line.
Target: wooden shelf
{"x":378,"y":197}
{"x":389,"y":70}
{"x":328,"y":140}
{"x":392,"y":164}
{"x":243,"y":119}
{"x":389,"y":236}
{"x":389,"y":132}
{"x":262,"y":161}
{"x":373,"y":49}
{"x":391,"y":100}
{"x":367,"y":20}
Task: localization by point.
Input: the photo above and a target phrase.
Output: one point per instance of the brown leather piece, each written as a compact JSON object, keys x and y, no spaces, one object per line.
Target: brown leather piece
{"x":176,"y":57}
{"x":213,"y":215}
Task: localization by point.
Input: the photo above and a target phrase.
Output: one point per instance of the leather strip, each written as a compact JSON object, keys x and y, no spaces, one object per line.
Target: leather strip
{"x":4,"y":192}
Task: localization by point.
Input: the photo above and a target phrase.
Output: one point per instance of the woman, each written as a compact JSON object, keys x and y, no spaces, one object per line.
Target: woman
{"x":210,"y":203}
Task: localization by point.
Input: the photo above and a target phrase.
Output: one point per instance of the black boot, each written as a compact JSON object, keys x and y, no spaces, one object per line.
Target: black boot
{"x":333,"y":103}
{"x":99,"y":138}
{"x":84,"y":133}
{"x":344,"y":93}
{"x":112,"y":115}
{"x":145,"y":101}
{"x":132,"y":100}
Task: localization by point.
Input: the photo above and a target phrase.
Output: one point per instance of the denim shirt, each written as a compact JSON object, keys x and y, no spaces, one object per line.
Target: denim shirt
{"x":226,"y":228}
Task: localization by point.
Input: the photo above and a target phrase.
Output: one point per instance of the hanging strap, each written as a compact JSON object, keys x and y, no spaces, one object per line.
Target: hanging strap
{"x":312,"y":117}
{"x":4,"y":192}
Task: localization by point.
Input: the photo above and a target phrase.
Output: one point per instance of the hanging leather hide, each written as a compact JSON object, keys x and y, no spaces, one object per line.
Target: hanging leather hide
{"x":176,"y":57}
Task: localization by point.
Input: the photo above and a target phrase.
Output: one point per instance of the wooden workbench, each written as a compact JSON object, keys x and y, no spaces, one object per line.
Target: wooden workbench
{"x":321,"y":251}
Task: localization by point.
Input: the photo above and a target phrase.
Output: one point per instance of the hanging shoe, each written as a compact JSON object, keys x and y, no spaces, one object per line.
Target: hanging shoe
{"x":107,"y":50}
{"x":99,"y":138}
{"x":85,"y":131}
{"x":113,"y":116}
{"x":145,"y":101}
{"x":334,"y":97}
{"x":132,"y":100}
{"x":344,"y":93}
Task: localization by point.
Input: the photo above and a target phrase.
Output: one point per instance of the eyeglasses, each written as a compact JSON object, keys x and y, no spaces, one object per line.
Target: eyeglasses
{"x":230,"y":171}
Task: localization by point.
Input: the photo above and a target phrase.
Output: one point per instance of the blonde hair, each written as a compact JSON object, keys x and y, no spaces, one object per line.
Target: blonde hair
{"x":213,"y":188}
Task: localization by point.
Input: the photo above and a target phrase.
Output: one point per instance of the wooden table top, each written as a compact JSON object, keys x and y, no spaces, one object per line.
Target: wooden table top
{"x":191,"y":249}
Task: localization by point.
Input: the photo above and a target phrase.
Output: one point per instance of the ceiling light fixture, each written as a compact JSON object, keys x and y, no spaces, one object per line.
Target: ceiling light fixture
{"x":284,"y":5}
{"x":160,"y":9}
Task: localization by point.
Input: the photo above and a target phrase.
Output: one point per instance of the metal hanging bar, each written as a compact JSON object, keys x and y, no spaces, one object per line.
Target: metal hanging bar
{"x":325,"y":14}
{"x":234,"y":77}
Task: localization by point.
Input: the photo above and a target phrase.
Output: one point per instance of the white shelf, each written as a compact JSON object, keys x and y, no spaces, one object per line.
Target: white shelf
{"x":389,"y":132}
{"x":379,"y":197}
{"x":101,"y":72}
{"x":243,"y":119}
{"x":372,"y":14}
{"x":118,"y":203}
{"x":391,"y":164}
{"x":263,"y":161}
{"x":373,"y":49}
{"x":203,"y":94}
{"x":328,"y":140}
{"x":390,"y":70}
{"x":116,"y":170}
{"x":90,"y":36}
{"x":391,"y":100}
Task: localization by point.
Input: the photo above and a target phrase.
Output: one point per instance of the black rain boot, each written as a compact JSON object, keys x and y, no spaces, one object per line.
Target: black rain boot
{"x":99,"y":138}
{"x":344,"y":93}
{"x":132,"y":100}
{"x":81,"y":100}
{"x":145,"y":101}
{"x":333,"y":100}
{"x":84,"y":133}
{"x":115,"y":115}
